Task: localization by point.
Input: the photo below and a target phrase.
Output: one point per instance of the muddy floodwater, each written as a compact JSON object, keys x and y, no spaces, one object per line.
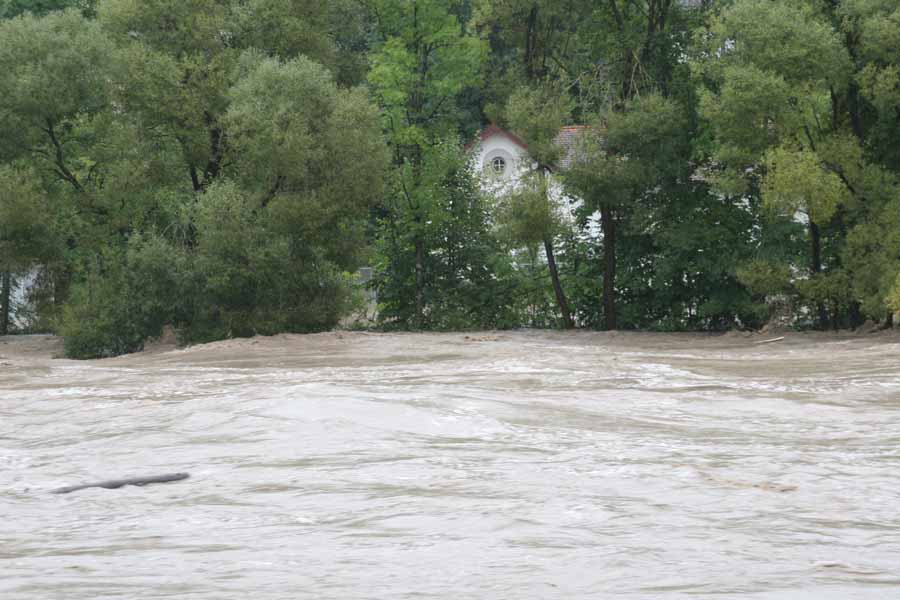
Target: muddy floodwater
{"x":483,"y":466}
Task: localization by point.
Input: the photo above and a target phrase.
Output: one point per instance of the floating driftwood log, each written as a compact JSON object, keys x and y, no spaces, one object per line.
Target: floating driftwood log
{"x":117,"y":483}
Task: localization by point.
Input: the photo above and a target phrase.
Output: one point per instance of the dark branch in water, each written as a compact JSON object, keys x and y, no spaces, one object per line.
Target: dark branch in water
{"x":117,"y":483}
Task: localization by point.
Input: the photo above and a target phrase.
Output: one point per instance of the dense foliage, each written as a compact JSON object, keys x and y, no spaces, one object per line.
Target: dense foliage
{"x":226,"y":166}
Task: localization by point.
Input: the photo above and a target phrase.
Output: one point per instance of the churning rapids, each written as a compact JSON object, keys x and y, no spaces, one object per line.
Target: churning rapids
{"x":483,"y":466}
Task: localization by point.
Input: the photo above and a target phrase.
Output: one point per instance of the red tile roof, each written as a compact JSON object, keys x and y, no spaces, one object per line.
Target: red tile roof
{"x":492,"y":130}
{"x":568,"y":140}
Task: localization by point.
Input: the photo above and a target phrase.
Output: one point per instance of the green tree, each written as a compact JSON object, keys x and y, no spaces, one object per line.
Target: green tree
{"x":894,"y":297}
{"x":181,"y":58}
{"x":791,"y":97}
{"x":534,"y":43}
{"x":27,"y":236}
{"x":257,"y":252}
{"x":54,"y":88}
{"x":14,"y":8}
{"x":175,"y":129}
{"x":311,"y":153}
{"x":625,"y":157}
{"x":54,"y":74}
{"x":537,"y":115}
{"x":470,"y":282}
{"x":424,"y":60}
{"x":627,"y":75}
{"x":872,"y":106}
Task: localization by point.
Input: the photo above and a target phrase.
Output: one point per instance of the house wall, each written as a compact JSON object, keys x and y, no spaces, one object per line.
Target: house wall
{"x":518,"y":164}
{"x":19,"y":299}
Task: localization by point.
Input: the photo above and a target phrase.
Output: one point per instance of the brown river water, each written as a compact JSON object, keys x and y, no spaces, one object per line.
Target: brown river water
{"x":520,"y":465}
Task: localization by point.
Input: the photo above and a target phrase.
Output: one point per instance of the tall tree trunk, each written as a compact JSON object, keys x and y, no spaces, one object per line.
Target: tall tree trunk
{"x":815,"y":238}
{"x":608,"y":225}
{"x":5,"y":295}
{"x":420,"y":282}
{"x":557,"y":286}
{"x":855,"y":317}
{"x":531,"y":34}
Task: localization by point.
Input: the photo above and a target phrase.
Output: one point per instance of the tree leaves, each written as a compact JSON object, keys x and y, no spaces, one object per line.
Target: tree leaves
{"x":796,"y":182}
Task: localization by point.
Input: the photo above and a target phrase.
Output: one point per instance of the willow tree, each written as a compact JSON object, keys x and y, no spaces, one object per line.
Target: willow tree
{"x":54,"y":74}
{"x":536,"y":69}
{"x":309,"y":153}
{"x":181,"y":57}
{"x":186,"y":172}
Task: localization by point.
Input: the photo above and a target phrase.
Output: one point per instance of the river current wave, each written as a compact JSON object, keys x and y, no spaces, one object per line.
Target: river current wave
{"x":521,"y":465}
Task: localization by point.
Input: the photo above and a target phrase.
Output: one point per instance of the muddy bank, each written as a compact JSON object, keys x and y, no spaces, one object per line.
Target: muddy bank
{"x":37,"y":350}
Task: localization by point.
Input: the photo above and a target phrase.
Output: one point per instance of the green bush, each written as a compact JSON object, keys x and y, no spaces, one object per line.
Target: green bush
{"x":97,"y":321}
{"x":894,"y":297}
{"x":247,"y":277}
{"x":125,"y":298}
{"x":238,"y":277}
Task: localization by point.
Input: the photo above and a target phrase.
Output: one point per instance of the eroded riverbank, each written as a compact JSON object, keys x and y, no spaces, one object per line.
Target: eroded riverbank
{"x":494,"y":465}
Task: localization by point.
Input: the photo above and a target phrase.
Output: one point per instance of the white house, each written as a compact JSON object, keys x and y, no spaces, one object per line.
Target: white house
{"x":501,"y":159}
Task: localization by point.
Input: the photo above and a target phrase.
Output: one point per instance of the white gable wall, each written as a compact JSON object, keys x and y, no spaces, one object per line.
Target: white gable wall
{"x":518,"y":164}
{"x":515,"y":157}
